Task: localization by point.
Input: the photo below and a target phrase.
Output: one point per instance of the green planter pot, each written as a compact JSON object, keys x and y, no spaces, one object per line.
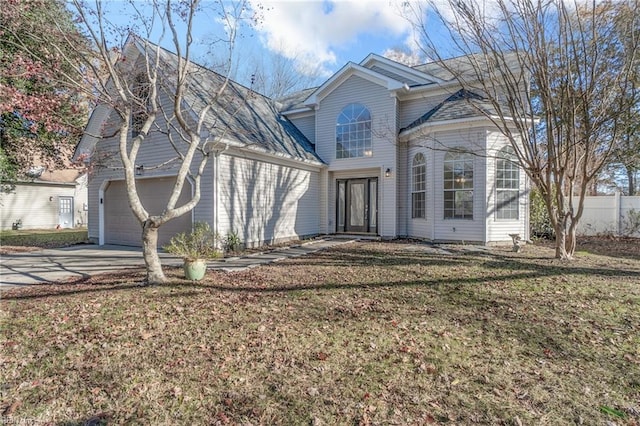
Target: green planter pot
{"x":194,"y":270}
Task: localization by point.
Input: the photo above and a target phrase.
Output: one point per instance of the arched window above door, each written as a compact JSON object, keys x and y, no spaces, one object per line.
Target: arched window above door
{"x":353,"y":132}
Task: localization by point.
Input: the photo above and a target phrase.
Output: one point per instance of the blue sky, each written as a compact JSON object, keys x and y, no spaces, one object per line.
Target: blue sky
{"x":317,"y":37}
{"x":330,"y":33}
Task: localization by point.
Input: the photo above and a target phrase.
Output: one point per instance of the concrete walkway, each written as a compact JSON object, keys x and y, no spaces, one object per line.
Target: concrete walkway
{"x":82,"y":261}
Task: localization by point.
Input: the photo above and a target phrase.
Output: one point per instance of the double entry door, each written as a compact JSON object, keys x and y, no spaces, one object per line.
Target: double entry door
{"x":357,"y":205}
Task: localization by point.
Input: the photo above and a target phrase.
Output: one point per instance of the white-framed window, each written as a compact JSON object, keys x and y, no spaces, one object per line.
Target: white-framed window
{"x":353,"y":132}
{"x":507,"y":185}
{"x":458,"y":185}
{"x":418,"y":186}
{"x":140,"y":104}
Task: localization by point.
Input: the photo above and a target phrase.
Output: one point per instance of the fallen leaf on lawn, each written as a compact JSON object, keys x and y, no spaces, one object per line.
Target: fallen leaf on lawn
{"x":12,"y":408}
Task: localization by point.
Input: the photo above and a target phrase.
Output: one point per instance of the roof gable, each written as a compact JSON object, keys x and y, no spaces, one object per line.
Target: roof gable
{"x":398,"y":71}
{"x":349,"y":70}
{"x":462,"y":104}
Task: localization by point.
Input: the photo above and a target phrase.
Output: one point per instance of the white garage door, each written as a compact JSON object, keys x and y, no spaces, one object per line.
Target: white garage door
{"x":120,"y":225}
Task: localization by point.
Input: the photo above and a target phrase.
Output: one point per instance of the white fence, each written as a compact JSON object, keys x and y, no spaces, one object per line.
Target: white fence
{"x":608,"y":215}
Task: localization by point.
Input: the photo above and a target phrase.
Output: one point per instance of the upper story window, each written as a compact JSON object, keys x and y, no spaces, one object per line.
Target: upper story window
{"x":353,"y":132}
{"x":140,"y":104}
{"x":418,"y":186}
{"x":507,"y":185}
{"x":458,"y":185}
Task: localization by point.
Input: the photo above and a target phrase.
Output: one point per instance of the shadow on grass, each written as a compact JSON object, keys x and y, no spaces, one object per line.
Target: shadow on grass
{"x":539,"y":338}
{"x":517,"y":268}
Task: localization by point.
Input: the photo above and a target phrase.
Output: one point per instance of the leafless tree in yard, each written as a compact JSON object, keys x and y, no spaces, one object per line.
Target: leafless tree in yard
{"x":556,"y":73}
{"x":136,"y":83}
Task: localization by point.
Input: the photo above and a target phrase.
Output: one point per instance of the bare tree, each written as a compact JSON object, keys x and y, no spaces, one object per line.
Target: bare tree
{"x":147,"y":90}
{"x":276,"y":76}
{"x":555,"y":73}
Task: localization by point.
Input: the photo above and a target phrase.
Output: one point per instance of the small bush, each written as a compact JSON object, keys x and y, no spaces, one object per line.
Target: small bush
{"x":201,"y":243}
{"x":631,"y":223}
{"x":232,"y":242}
{"x":539,"y":221}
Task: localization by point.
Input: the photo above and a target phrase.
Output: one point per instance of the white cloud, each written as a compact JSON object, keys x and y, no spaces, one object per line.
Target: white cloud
{"x":310,"y":32}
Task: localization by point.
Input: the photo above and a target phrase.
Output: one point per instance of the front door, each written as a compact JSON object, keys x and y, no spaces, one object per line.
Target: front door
{"x":357,"y":205}
{"x":65,"y":212}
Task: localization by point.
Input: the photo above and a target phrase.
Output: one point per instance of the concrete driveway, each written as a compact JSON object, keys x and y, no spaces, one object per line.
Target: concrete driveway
{"x":70,"y":263}
{"x":83,"y":261}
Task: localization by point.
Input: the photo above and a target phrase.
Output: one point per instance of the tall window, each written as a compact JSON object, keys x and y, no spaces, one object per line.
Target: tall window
{"x":139,"y":105}
{"x":458,"y":185}
{"x":418,"y":186}
{"x":507,"y":185}
{"x":353,"y":132}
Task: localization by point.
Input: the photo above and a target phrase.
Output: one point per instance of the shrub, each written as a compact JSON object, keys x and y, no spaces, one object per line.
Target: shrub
{"x":539,"y":221}
{"x":201,"y":243}
{"x":232,"y":242}
{"x":631,"y":223}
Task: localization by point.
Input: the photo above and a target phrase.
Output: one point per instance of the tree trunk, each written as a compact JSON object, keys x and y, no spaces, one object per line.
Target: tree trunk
{"x":565,"y":241}
{"x":155,"y":275}
{"x":570,"y":242}
{"x":632,"y":184}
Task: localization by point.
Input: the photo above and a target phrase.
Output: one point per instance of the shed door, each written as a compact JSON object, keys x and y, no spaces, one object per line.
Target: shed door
{"x":65,"y":212}
{"x":120,"y":225}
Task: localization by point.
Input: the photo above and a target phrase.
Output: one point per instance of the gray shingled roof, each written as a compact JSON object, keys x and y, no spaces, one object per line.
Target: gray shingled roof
{"x":462,"y":104}
{"x":241,"y":114}
{"x":295,"y":100}
{"x":463,"y":65}
{"x":408,"y":81}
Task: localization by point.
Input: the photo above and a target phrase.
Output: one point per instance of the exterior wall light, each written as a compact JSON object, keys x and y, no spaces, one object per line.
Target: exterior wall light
{"x":139,"y":170}
{"x":387,"y":172}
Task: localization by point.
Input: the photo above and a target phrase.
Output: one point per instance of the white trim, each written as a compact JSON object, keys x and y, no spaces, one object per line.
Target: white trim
{"x":482,"y":120}
{"x":418,"y":92}
{"x":251,"y":151}
{"x":302,"y":112}
{"x":103,"y":187}
{"x":216,"y":192}
{"x":284,"y":158}
{"x":88,"y":142}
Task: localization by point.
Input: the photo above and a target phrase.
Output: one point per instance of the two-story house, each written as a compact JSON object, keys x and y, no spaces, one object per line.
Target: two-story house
{"x":379,"y":149}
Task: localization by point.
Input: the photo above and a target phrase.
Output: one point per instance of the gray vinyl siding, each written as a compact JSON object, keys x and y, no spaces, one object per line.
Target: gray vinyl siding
{"x":382,"y":108}
{"x":402,"y":167}
{"x":35,"y":204}
{"x":155,"y":155}
{"x":383,"y":117}
{"x":324,"y":203}
{"x":265,"y":202}
{"x":420,"y":227}
{"x":460,"y":229}
{"x":411,"y":110}
{"x":499,"y":229}
{"x":307,"y":125}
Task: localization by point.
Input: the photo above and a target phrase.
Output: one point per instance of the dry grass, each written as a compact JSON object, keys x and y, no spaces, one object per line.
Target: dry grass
{"x":367,"y":333}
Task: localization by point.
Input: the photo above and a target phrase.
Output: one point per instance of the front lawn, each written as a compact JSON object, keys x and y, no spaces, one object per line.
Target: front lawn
{"x":44,"y":238}
{"x":365,"y":333}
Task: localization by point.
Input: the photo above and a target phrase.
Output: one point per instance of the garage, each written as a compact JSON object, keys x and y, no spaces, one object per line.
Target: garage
{"x":120,"y":225}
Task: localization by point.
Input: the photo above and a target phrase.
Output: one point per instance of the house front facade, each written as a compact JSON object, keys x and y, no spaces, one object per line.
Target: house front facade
{"x":410,"y":154}
{"x":379,"y":149}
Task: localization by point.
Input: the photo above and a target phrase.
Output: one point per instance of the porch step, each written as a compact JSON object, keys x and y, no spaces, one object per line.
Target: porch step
{"x":367,"y":237}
